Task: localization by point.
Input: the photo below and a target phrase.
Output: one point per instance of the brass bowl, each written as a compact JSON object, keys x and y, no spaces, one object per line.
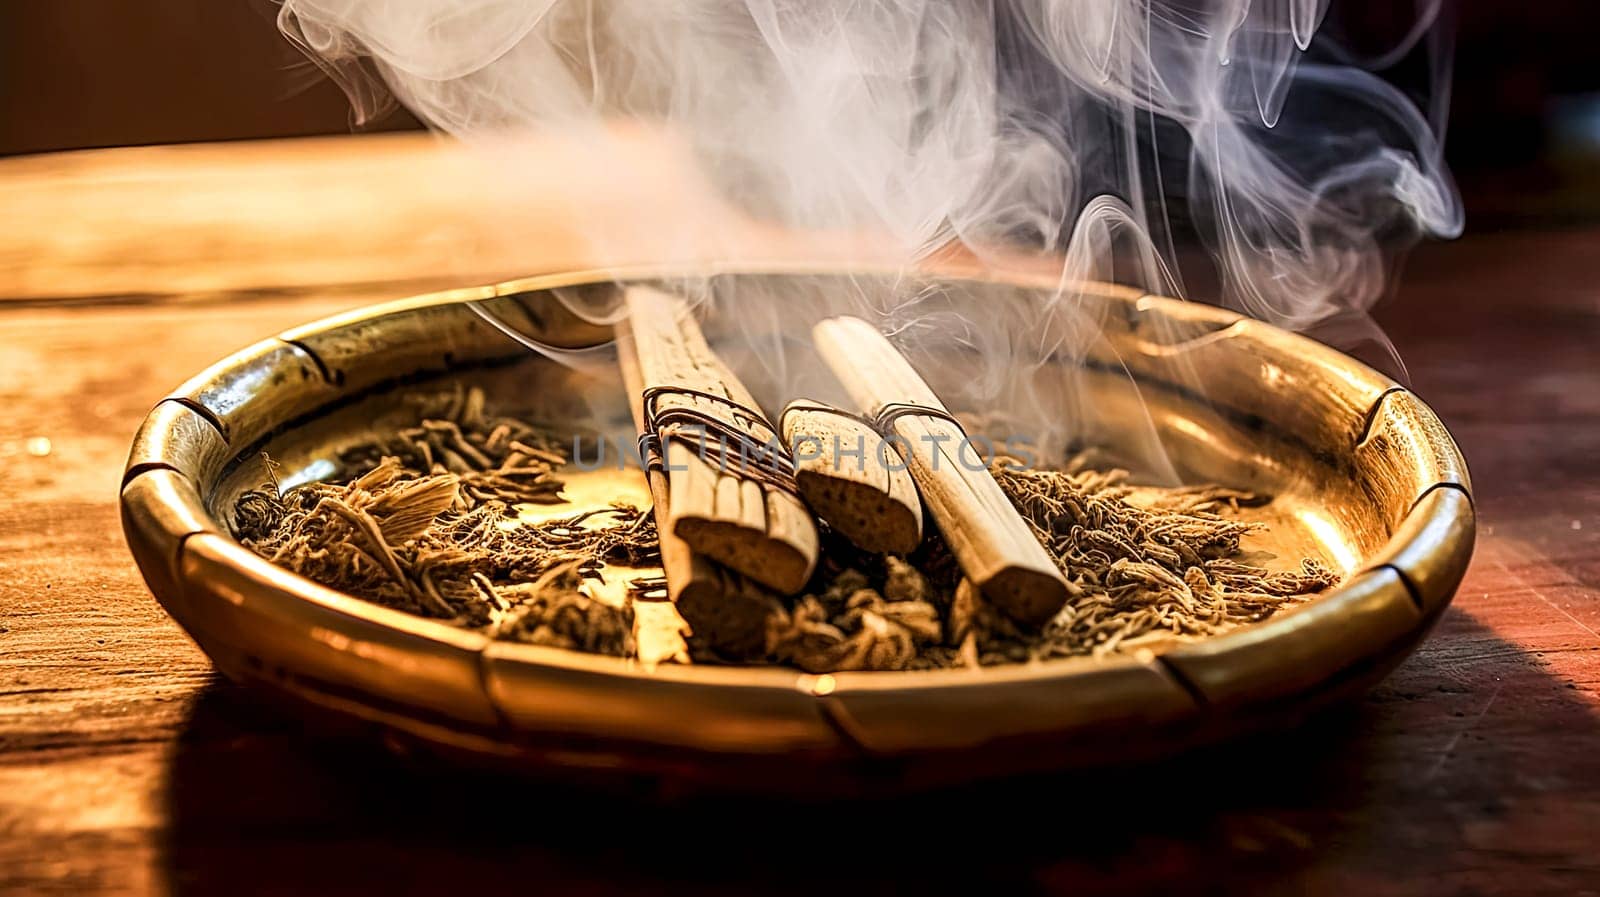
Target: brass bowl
{"x":1364,"y":475}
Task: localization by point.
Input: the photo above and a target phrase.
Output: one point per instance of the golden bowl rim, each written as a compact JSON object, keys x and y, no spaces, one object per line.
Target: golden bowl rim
{"x":167,"y":523}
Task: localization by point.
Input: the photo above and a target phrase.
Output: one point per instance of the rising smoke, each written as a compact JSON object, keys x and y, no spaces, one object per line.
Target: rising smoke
{"x":1032,"y":122}
{"x":1108,"y":133}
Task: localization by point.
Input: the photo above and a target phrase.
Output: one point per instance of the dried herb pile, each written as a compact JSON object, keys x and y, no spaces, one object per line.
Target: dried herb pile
{"x":1141,"y":572}
{"x":1146,"y":572}
{"x":427,"y":525}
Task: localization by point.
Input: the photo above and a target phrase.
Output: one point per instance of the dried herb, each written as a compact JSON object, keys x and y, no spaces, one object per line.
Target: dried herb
{"x":430,"y":529}
{"x":1142,"y":573}
{"x":1145,"y":572}
{"x":496,"y":458}
{"x":552,"y":611}
{"x":885,"y":621}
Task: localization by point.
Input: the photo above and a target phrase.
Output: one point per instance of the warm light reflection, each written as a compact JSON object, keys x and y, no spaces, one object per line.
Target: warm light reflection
{"x":588,"y":489}
{"x":320,"y":469}
{"x":1330,"y":537}
{"x":1190,"y":428}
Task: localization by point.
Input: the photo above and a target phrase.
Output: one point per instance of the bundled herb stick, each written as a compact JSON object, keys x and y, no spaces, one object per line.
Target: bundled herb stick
{"x":728,"y":612}
{"x":731,"y":493}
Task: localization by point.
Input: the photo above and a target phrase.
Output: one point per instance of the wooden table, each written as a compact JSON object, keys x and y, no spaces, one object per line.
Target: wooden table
{"x":127,"y":766}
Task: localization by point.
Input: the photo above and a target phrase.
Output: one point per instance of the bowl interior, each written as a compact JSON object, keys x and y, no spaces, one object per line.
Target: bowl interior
{"x":1150,"y":391}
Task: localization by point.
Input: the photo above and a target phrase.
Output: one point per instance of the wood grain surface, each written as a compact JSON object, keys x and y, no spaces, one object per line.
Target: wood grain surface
{"x":208,"y":221}
{"x":127,"y":766}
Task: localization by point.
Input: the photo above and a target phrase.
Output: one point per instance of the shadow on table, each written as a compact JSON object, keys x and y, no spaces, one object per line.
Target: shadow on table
{"x":1362,"y":797}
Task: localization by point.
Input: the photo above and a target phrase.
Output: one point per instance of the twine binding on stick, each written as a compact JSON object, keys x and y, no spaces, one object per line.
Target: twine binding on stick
{"x":882,"y":421}
{"x":783,"y":418}
{"x":893,"y":411}
{"x":734,"y":450}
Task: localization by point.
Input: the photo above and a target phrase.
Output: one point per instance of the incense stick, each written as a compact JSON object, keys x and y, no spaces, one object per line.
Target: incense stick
{"x":730,"y":483}
{"x":989,"y":538}
{"x":726,"y":612}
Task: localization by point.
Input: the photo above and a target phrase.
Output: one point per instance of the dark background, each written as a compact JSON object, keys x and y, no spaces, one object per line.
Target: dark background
{"x":1524,"y":135}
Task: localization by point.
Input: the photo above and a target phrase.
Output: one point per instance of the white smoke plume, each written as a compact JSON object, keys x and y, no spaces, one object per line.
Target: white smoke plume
{"x":987,"y":121}
{"x":1109,"y":134}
